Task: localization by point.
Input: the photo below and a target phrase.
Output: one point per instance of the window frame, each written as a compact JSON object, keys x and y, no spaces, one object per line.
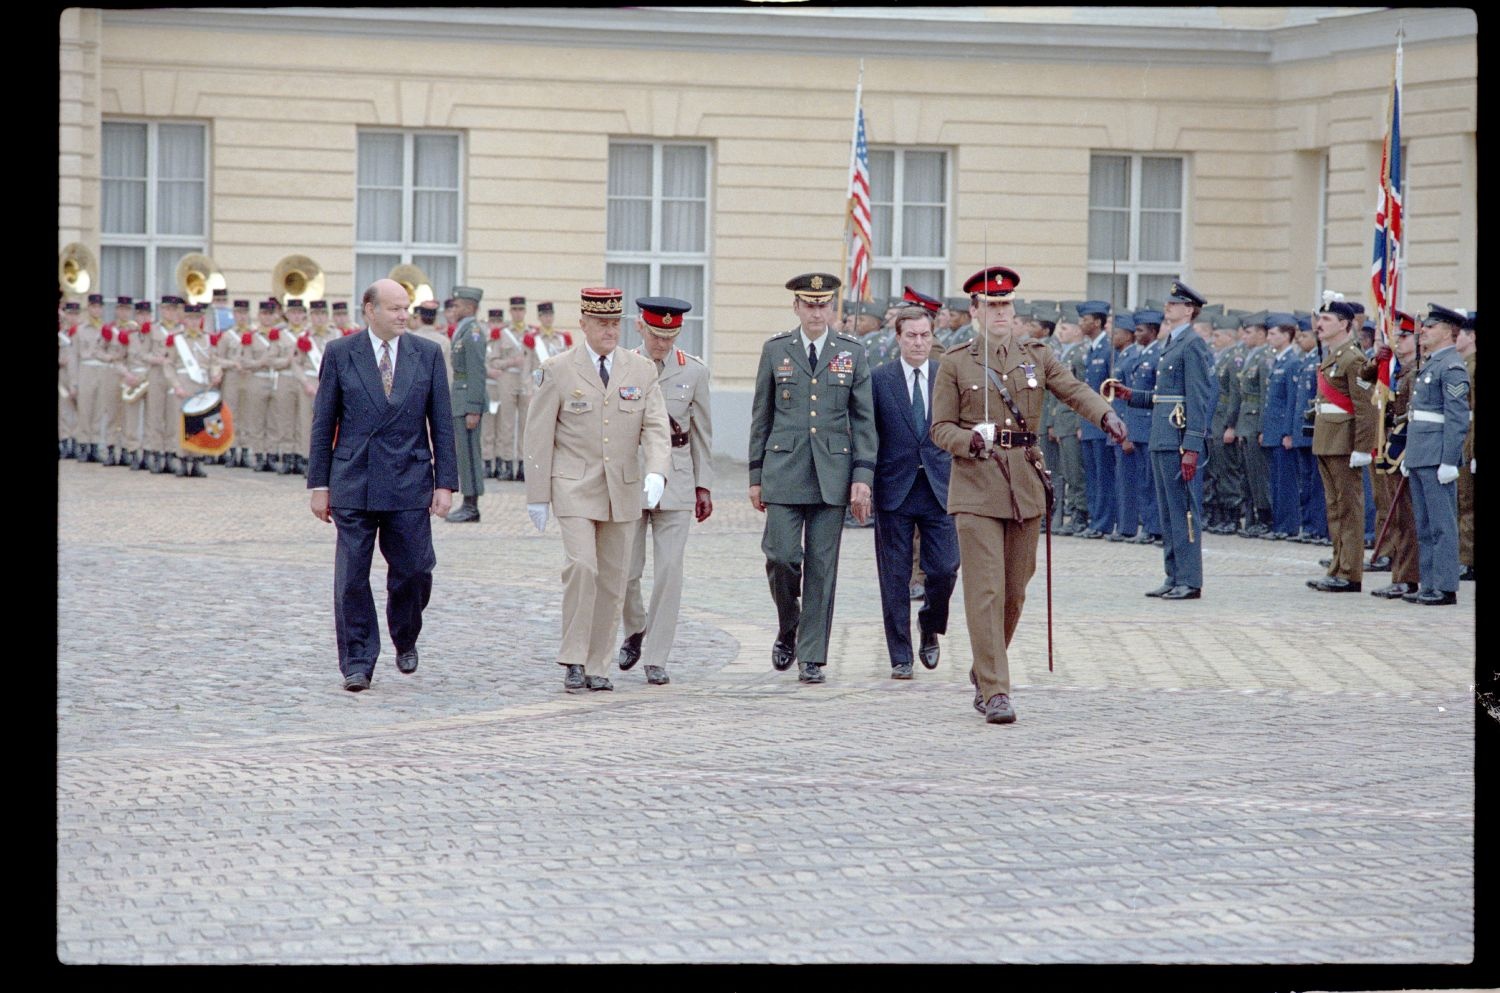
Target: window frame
{"x":407,"y":248}
{"x":897,"y":263}
{"x":151,"y":241}
{"x":1133,"y":269}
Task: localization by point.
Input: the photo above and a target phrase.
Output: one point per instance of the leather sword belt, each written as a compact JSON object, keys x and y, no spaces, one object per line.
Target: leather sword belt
{"x":1430,"y":416}
{"x":1014,"y":439}
{"x":1167,"y":398}
{"x":679,"y":437}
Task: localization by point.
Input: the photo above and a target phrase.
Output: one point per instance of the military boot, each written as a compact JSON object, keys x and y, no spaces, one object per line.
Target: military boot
{"x":466,"y":514}
{"x":195,"y":468}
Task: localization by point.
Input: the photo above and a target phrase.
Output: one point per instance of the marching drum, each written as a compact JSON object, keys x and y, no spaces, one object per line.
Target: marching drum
{"x":207,"y":424}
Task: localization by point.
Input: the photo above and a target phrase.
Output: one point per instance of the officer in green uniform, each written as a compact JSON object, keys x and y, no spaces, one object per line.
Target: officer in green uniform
{"x":812,"y":452}
{"x":1072,"y":498}
{"x":1254,"y":377}
{"x":1225,"y":459}
{"x":470,"y":400}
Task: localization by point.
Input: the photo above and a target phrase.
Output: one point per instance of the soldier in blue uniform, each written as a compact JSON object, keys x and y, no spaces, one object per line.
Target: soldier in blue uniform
{"x":1279,"y":422}
{"x":1098,"y":466}
{"x":1143,"y":377}
{"x":1127,"y":509}
{"x":1304,"y":403}
{"x":1182,"y":408}
{"x":1437,"y":422}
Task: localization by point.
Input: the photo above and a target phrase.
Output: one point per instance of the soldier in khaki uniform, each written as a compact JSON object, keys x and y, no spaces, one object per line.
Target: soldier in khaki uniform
{"x":139,"y":432}
{"x":231,"y":352}
{"x":307,"y":359}
{"x":1401,"y":526}
{"x":683,"y":381}
{"x":509,"y":359}
{"x":191,"y":368}
{"x":120,"y":440}
{"x":258,"y":349}
{"x":425,"y":326}
{"x":67,"y":381}
{"x":489,"y":439}
{"x":288,"y":393}
{"x":597,"y":417}
{"x":94,"y":379}
{"x":161,"y":430}
{"x":1343,"y":438}
{"x":995,"y":493}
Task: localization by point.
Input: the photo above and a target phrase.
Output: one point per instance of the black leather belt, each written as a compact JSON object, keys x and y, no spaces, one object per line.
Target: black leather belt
{"x":1014,"y":439}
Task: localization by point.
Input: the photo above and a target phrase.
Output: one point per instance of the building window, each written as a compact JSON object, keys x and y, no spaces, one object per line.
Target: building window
{"x":656,"y":239}
{"x":1137,"y":227}
{"x":154,"y":204}
{"x":909,"y":203}
{"x":409,"y":199}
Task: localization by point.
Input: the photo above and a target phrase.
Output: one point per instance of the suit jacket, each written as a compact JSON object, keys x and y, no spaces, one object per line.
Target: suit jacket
{"x":683,"y":380}
{"x":812,"y":431}
{"x":379,"y":454}
{"x":901,"y":449}
{"x":582,"y":437}
{"x":979,"y":486}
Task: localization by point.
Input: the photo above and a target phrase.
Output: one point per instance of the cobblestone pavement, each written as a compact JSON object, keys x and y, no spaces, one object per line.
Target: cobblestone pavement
{"x":1267,"y":775}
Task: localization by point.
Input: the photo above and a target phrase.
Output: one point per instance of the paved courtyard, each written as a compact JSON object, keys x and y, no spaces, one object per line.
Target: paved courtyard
{"x":1267,"y":775}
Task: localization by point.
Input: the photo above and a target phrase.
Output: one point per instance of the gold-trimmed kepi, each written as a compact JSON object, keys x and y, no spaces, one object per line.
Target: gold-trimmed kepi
{"x":663,"y":315}
{"x":814,"y":287}
{"x":995,"y":283}
{"x":602,"y":301}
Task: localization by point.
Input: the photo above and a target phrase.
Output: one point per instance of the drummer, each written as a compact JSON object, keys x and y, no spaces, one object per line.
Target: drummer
{"x":191,"y":368}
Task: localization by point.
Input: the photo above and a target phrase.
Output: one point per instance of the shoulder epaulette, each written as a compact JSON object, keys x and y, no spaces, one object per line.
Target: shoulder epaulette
{"x":840,"y":334}
{"x":784,"y":334}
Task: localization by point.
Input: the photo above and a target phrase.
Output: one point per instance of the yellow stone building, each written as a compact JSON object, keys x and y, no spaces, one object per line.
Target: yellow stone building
{"x":704,"y":152}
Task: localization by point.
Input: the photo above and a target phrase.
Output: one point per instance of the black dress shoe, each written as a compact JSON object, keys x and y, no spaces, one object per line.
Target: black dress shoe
{"x":978,"y":698}
{"x":809,"y":672}
{"x":1161,"y":590}
{"x":407,"y":661}
{"x":1395,"y":591}
{"x":1380,"y":564}
{"x":1091,"y":534}
{"x":656,"y":675}
{"x":195,"y":468}
{"x":930,"y":652}
{"x":1333,"y":584}
{"x":1182,"y":593}
{"x":782,"y":656}
{"x":489,"y":468}
{"x":901,"y":670}
{"x":1116,"y":536}
{"x":630,"y":651}
{"x":520,"y":475}
{"x":1277,"y":536}
{"x":574,"y":678}
{"x":1467,"y":575}
{"x":598,"y":683}
{"x":1432,"y":598}
{"x":999,"y":711}
{"x":283,"y":465}
{"x":1141,"y":539}
{"x":468,"y":513}
{"x":356,"y":681}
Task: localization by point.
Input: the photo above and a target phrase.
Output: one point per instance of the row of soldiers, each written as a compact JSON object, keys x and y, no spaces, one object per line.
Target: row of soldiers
{"x":1261,"y":476}
{"x":122,"y":382}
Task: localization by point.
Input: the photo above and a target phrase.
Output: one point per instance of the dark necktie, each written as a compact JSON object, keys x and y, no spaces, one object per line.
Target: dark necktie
{"x":387,"y":374}
{"x":812,"y":355}
{"x":603,"y":372}
{"x":918,"y":408}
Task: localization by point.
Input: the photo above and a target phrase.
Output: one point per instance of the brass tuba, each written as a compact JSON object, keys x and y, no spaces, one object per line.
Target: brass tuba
{"x":130,"y":394}
{"x":415,"y":282}
{"x":76,"y":267}
{"x":297,"y":276}
{"x":198,"y":276}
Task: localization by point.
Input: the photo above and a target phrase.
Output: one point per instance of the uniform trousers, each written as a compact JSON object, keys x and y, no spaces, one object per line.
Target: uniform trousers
{"x":1257,"y":475}
{"x":257,"y":397}
{"x":231,"y":389}
{"x":489,"y":439}
{"x":1370,"y":508}
{"x":302,"y":441}
{"x":1228,"y":473}
{"x":1401,"y":533}
{"x":92,"y":411}
{"x":801,"y":545}
{"x":1286,"y":502}
{"x":511,"y":420}
{"x":1435,"y":507}
{"x":283,"y":426}
{"x":137,"y":425}
{"x":1070,"y":460}
{"x":999,"y":558}
{"x":67,"y":414}
{"x":1145,"y":478}
{"x":120,"y":434}
{"x":470,"y":456}
{"x":1343,"y":491}
{"x":1099,"y":468}
{"x":1314,"y":509}
{"x":1465,"y":513}
{"x":895,"y":536}
{"x":161,"y":431}
{"x":1181,"y":543}
{"x":405,"y":538}
{"x":596,"y":557}
{"x":669,"y":533}
{"x":1127,"y":488}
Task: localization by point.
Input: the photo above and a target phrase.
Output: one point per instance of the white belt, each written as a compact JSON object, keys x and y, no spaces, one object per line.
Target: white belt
{"x":94,"y":362}
{"x":265,"y":375}
{"x":1331,"y":408}
{"x":1430,"y":416}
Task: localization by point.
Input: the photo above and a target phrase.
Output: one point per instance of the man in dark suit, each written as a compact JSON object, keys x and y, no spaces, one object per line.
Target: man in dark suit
{"x":911,"y":492}
{"x":382,"y":460}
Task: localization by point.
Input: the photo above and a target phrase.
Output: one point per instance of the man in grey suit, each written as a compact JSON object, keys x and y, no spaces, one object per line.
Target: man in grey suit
{"x":812,"y":452}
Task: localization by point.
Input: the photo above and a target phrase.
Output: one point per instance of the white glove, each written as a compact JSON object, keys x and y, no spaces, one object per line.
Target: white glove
{"x":1474,"y":466}
{"x":1447,"y":474}
{"x":1358,"y":460}
{"x":1404,"y":470}
{"x":655,"y":485}
{"x":538,"y":512}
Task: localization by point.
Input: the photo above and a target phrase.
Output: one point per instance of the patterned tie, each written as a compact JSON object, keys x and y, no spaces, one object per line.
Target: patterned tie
{"x":386,"y":373}
{"x":812,"y":355}
{"x":918,"y":408}
{"x":603,"y":372}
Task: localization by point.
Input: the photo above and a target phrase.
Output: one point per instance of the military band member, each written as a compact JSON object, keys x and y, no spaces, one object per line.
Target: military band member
{"x":812,"y":453}
{"x":493,"y":326}
{"x":307,"y":360}
{"x":115,"y":434}
{"x":1136,"y":450}
{"x":191,"y":368}
{"x":1437,"y":421}
{"x":94,"y":381}
{"x":289,"y":389}
{"x":470,"y":399}
{"x":230,"y":352}
{"x":341,"y":318}
{"x":515,"y":388}
{"x":1401,"y":527}
{"x":684,"y":383}
{"x":67,"y":381}
{"x":996,"y":492}
{"x":541,"y":345}
{"x":598,"y":419}
{"x":135,"y":384}
{"x":426,"y":327}
{"x":1468,"y":347}
{"x":1343,"y":438}
{"x":253,"y":420}
{"x":1182,"y":410}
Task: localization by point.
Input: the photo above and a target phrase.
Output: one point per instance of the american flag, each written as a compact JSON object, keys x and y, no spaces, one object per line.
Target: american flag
{"x":1385,"y":269}
{"x":859,"y":210}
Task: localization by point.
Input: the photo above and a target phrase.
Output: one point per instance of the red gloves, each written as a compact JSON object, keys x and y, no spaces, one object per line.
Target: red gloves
{"x":703,"y":505}
{"x":1189,"y":466}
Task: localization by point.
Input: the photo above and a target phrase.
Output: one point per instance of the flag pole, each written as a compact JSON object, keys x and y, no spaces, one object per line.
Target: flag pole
{"x":849,"y":189}
{"x":1390,"y":182}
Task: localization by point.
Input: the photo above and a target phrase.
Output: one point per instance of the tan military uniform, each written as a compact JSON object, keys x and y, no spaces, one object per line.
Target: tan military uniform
{"x":67,"y":385}
{"x":96,"y":382}
{"x":137,"y":362}
{"x":1336,"y":434}
{"x":230,"y":354}
{"x":508,"y":358}
{"x":998,"y":506}
{"x":257,"y":391}
{"x":683,"y":380}
{"x":304,"y":372}
{"x":180,"y":376}
{"x":1401,"y":533}
{"x":435,"y":335}
{"x":161,"y":431}
{"x":588,"y":448}
{"x":287,"y":390}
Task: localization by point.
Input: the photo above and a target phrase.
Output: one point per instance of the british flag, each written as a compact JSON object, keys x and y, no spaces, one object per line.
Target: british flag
{"x":859,"y":211}
{"x":1385,"y":269}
